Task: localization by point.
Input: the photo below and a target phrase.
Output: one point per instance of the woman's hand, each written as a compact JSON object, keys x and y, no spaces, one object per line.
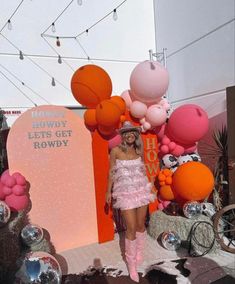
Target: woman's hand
{"x":108,"y":197}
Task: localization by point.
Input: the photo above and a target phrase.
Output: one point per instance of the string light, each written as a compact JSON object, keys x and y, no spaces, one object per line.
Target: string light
{"x":115,"y":15}
{"x":9,"y":25}
{"x":53,"y":81}
{"x":57,"y":41}
{"x":53,"y":29}
{"x":21,"y":55}
{"x":59,"y":59}
{"x":87,"y":32}
{"x":79,"y":2}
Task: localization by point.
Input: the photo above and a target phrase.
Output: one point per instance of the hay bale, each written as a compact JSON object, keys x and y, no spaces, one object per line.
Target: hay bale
{"x":204,"y":234}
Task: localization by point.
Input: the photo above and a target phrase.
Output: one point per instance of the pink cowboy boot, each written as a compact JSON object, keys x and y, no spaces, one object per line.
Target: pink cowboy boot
{"x":130,"y":252}
{"x":140,"y":242}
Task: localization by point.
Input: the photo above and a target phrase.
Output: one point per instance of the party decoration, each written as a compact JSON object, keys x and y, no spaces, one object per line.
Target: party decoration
{"x":208,"y":209}
{"x":119,"y":102}
{"x":156,"y":115}
{"x":108,"y":113}
{"x":192,"y":209}
{"x":5,"y":213}
{"x":166,"y":193}
{"x":115,"y":141}
{"x":149,"y":81}
{"x":186,"y":125}
{"x":90,"y":85}
{"x":13,"y":190}
{"x":127,"y":98}
{"x":193,"y":181}
{"x":39,"y":267}
{"x":170,"y":240}
{"x":138,"y":109}
{"x":169,"y":161}
{"x":90,"y":118}
{"x":31,"y":234}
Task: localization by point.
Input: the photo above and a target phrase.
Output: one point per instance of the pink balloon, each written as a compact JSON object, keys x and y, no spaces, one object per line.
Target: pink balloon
{"x":115,"y":141}
{"x":172,"y":145}
{"x":138,"y":109}
{"x":5,"y":176}
{"x":127,"y":98}
{"x":18,"y":189}
{"x":10,"y":181}
{"x":156,"y":115}
{"x":187,"y":124}
{"x":6,"y":190}
{"x":149,"y":81}
{"x":19,"y":179}
{"x":17,"y":203}
{"x":146,"y":125}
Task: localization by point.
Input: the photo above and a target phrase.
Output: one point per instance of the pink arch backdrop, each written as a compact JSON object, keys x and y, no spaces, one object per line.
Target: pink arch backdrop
{"x":51,"y":147}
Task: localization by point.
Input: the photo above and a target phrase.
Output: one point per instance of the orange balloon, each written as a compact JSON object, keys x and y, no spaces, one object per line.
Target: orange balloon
{"x":90,"y":117}
{"x":166,"y":193}
{"x":119,"y":102}
{"x":193,"y":181}
{"x":108,"y":114}
{"x":90,"y":85}
{"x":104,"y":130}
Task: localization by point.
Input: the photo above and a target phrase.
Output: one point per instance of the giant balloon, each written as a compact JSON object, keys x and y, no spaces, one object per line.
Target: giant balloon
{"x":193,"y":181}
{"x":149,"y":81}
{"x":90,"y":85}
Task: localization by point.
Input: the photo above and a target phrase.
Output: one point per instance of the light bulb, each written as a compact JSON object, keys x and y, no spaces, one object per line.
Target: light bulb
{"x":79,"y":2}
{"x":115,"y":15}
{"x":59,"y":59}
{"x":87,"y":32}
{"x":57,"y":41}
{"x":53,"y":29}
{"x":21,"y":55}
{"x":9,"y":25}
{"x":53,"y":81}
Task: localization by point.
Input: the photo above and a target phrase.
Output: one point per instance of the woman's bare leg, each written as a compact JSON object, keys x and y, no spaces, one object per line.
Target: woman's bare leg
{"x":141,"y":213}
{"x":130,"y":218}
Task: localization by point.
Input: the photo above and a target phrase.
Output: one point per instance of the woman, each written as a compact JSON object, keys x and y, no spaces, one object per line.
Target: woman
{"x":131,"y":191}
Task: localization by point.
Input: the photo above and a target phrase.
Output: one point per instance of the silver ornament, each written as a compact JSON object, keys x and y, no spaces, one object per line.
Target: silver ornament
{"x":170,"y":240}
{"x":31,"y":234}
{"x":208,"y":209}
{"x":5,"y":213}
{"x":39,"y":267}
{"x":192,"y":209}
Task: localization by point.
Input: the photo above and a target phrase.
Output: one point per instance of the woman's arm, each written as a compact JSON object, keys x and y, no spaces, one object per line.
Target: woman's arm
{"x":112,"y":161}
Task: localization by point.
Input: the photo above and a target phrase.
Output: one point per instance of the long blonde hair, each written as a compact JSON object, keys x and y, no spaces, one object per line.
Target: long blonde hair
{"x":138,"y":143}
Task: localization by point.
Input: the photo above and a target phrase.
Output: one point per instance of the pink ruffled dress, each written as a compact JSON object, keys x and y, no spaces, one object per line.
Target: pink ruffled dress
{"x":131,"y":188}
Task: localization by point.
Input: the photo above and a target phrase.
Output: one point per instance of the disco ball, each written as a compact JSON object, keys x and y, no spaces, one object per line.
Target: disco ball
{"x":170,"y":240}
{"x":39,"y":267}
{"x":31,"y":234}
{"x":192,"y":209}
{"x":5,"y":213}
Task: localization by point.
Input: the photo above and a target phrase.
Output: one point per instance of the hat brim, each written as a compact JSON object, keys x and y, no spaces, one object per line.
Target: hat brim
{"x":128,"y":129}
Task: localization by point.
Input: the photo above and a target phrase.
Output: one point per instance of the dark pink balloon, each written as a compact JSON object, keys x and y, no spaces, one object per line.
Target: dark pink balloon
{"x":18,"y":189}
{"x":2,"y":194}
{"x":19,"y":179}
{"x":17,"y":203}
{"x":187,"y":124}
{"x":6,"y":190}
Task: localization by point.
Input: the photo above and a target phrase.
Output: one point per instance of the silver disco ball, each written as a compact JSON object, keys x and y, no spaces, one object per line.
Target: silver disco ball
{"x":170,"y":240}
{"x":5,"y":213}
{"x":192,"y":209}
{"x":31,"y":234}
{"x":38,"y":267}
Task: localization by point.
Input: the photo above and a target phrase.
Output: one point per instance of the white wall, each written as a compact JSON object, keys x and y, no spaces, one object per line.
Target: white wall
{"x":200,"y":50}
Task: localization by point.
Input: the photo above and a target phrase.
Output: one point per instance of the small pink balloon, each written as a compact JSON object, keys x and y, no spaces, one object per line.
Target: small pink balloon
{"x":178,"y":151}
{"x":6,"y":190}
{"x":171,"y":146}
{"x":156,"y":115}
{"x":142,"y":120}
{"x":146,"y":125}
{"x":5,"y":176}
{"x":17,"y":203}
{"x":149,"y":81}
{"x":160,"y":206}
{"x":18,"y":189}
{"x":138,"y":109}
{"x":165,"y":140}
{"x":115,"y":141}
{"x":10,"y":181}
{"x":127,"y":98}
{"x":164,"y":149}
{"x":19,"y":179}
